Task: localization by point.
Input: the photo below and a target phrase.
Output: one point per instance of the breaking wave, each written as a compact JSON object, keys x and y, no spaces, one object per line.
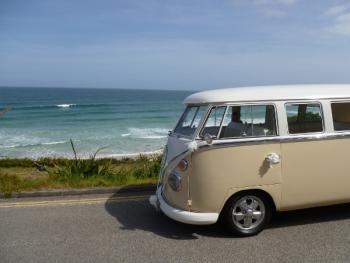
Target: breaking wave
{"x":146,"y":133}
{"x":31,"y":144}
{"x":65,"y":105}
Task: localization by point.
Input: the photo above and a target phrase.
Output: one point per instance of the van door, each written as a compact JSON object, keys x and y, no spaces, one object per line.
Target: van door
{"x":244,"y":155}
{"x":313,"y":166}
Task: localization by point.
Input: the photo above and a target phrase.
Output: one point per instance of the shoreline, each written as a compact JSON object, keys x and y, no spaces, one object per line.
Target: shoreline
{"x":118,"y":156}
{"x":122,"y":156}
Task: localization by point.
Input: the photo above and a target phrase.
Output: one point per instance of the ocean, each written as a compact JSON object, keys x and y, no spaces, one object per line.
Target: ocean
{"x":41,"y":121}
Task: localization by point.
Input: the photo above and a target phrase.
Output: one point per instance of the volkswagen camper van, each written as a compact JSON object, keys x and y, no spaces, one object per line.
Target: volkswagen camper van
{"x":240,"y":154}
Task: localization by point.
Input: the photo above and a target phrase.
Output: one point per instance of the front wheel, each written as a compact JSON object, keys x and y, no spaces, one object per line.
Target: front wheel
{"x":247,"y":214}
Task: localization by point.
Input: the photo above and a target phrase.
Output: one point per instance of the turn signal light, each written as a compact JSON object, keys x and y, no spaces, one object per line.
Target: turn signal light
{"x":182,"y":165}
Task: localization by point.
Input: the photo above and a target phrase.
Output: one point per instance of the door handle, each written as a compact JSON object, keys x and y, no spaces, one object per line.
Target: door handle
{"x":273,"y":158}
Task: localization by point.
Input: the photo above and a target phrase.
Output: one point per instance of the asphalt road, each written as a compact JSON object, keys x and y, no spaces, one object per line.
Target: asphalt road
{"x":127,"y":229}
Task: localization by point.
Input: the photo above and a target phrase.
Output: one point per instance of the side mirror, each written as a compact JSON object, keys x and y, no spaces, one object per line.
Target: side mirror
{"x":208,"y":138}
{"x":170,"y":133}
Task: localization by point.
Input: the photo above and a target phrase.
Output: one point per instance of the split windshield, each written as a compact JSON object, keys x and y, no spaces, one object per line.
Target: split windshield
{"x":190,"y":120}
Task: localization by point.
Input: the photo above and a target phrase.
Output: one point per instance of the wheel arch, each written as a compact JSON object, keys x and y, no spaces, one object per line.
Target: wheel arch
{"x":266,"y":195}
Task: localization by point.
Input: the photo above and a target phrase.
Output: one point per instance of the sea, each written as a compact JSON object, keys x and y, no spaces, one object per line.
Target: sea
{"x":42,"y":121}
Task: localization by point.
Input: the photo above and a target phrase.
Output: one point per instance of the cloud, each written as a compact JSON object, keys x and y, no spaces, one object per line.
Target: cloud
{"x":341,"y":20}
{"x":336,"y":10}
{"x":266,"y":2}
{"x":275,"y":2}
{"x":268,"y":8}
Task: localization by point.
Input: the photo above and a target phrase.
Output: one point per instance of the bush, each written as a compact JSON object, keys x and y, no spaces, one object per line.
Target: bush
{"x":81,"y":168}
{"x":7,"y":163}
{"x":9,"y":184}
{"x":54,"y":173}
{"x":146,"y":167}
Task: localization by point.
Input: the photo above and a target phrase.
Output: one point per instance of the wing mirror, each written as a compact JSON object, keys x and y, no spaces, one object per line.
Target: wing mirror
{"x":208,"y":138}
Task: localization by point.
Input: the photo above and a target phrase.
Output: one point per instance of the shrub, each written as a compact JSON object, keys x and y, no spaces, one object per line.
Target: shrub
{"x":146,"y":167}
{"x":81,"y":168}
{"x":9,"y":183}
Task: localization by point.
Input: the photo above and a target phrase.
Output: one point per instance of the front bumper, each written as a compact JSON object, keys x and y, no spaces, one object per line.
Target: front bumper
{"x":181,"y":215}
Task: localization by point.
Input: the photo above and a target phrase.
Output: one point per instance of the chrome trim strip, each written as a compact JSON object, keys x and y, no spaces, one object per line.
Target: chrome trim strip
{"x":286,"y":139}
{"x":236,"y":143}
{"x":223,"y":118}
{"x":203,"y":121}
{"x":321,"y":137}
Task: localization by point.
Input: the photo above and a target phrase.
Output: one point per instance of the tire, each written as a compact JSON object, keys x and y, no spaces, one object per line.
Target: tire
{"x":247,"y":214}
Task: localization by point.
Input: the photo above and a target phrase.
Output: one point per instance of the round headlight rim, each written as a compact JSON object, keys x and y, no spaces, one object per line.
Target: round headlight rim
{"x":175,"y":181}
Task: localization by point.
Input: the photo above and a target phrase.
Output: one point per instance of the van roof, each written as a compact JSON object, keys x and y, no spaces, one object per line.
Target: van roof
{"x":270,"y":93}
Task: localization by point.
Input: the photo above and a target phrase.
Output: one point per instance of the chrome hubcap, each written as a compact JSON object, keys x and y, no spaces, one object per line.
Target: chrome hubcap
{"x":248,"y":212}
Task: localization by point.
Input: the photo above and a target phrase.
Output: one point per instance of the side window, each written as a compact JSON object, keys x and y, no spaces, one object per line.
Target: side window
{"x":341,"y":116}
{"x":214,"y":120}
{"x":249,"y":121}
{"x":304,"y":118}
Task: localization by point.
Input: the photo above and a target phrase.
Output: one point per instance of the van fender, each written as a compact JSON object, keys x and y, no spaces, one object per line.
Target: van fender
{"x":273,"y":190}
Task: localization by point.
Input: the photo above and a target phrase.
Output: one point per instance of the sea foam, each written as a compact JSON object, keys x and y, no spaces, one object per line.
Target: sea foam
{"x":65,"y":105}
{"x":31,"y":144}
{"x":146,"y":133}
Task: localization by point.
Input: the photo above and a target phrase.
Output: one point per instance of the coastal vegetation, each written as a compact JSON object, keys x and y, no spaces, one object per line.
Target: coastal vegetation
{"x":18,"y":175}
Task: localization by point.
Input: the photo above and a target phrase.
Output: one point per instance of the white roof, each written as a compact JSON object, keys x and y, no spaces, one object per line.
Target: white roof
{"x":270,"y":93}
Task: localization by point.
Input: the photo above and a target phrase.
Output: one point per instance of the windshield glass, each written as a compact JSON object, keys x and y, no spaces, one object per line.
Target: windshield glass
{"x":190,"y":120}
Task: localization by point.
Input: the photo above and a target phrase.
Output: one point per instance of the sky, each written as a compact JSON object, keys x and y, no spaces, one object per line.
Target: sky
{"x":168,"y":44}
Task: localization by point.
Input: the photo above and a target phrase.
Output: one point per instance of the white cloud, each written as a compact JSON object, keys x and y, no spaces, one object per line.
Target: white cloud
{"x":269,"y":8}
{"x":266,"y":2}
{"x":274,"y":2}
{"x":336,"y":10}
{"x":341,"y":26}
{"x":341,"y":22}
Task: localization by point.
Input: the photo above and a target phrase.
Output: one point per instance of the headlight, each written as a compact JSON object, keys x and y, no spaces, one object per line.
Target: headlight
{"x":174,"y":181}
{"x":182,"y":165}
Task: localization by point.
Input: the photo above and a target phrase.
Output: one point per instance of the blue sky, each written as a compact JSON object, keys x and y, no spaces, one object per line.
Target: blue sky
{"x":185,"y":44}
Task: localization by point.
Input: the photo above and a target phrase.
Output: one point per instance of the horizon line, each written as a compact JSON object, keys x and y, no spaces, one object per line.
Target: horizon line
{"x":102,"y":88}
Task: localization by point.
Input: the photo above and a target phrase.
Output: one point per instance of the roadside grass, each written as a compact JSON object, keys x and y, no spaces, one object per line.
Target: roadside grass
{"x":18,"y":175}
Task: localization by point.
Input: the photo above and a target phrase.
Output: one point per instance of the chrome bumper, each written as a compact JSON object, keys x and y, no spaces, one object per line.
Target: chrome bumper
{"x":181,"y":215}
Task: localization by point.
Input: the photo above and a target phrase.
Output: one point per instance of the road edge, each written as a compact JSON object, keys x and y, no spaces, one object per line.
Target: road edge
{"x":83,"y":191}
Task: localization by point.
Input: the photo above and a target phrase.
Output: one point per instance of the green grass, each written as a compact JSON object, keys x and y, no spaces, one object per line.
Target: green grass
{"x":18,"y":175}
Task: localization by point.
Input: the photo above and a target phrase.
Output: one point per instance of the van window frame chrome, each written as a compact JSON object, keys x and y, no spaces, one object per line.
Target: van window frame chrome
{"x":306,"y":102}
{"x":230,"y":104}
{"x":338,"y":101}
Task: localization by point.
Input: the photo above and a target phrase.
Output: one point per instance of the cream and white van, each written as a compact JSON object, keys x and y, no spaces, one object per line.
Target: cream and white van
{"x":242,"y":153}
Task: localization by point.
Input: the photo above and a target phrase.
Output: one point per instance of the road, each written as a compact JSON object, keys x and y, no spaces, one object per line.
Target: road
{"x":105,"y":228}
